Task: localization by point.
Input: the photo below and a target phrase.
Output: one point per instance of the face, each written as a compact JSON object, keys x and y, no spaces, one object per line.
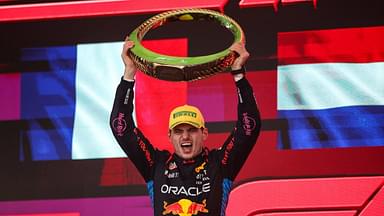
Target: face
{"x":187,"y":140}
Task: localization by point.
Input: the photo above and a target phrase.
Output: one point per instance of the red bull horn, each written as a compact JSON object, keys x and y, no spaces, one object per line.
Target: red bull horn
{"x":184,"y":207}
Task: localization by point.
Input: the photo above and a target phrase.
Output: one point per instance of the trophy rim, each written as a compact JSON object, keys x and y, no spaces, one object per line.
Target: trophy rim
{"x":201,"y":66}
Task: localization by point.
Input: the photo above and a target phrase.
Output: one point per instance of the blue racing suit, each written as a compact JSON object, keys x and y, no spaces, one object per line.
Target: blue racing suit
{"x":199,"y":186}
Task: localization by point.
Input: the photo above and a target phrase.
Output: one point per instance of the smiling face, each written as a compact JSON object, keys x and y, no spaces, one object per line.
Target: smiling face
{"x":187,"y":140}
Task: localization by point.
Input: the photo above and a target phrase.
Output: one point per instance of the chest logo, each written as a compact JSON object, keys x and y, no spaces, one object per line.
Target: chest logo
{"x":189,"y":191}
{"x":184,"y":207}
{"x":199,"y":168}
{"x":172,"y":166}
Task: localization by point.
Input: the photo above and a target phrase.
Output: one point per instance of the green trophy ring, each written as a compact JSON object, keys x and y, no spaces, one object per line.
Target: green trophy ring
{"x":173,"y":68}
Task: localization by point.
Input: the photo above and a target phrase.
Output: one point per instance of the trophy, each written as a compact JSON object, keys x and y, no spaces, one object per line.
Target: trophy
{"x":174,"y":68}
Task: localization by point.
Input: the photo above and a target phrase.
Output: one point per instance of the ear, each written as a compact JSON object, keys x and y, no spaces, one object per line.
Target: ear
{"x":169,"y":134}
{"x":205,"y":134}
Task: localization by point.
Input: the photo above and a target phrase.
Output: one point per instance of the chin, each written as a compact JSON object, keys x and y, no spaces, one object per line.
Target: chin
{"x":187,"y":157}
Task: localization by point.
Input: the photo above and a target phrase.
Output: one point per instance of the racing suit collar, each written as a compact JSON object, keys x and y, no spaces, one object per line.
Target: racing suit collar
{"x":199,"y":158}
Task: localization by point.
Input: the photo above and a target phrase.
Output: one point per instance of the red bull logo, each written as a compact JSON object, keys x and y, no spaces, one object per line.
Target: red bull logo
{"x":184,"y":207}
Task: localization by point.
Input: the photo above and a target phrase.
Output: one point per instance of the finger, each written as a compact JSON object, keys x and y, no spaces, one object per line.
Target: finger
{"x":233,"y":46}
{"x":130,"y":44}
{"x":235,"y":49}
{"x":127,"y":45}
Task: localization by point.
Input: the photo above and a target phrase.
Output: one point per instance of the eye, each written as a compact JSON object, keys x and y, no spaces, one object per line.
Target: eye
{"x":193,"y":130}
{"x":177,"y":131}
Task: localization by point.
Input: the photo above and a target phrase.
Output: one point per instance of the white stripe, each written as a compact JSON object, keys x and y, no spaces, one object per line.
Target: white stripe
{"x":329,"y":85}
{"x":98,"y":72}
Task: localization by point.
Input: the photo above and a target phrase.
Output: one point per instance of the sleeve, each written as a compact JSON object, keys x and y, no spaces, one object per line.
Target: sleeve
{"x":131,"y":140}
{"x":240,"y":142}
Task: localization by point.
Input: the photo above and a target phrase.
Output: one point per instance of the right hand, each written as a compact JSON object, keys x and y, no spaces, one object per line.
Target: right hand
{"x":130,"y":68}
{"x":240,"y":49}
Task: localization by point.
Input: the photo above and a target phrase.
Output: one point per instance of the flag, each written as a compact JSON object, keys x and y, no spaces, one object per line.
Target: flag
{"x":67,"y":93}
{"x":330,"y":87}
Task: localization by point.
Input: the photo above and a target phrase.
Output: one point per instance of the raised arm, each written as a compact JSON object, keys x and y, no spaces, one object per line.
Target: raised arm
{"x":132,"y":141}
{"x":239,"y":144}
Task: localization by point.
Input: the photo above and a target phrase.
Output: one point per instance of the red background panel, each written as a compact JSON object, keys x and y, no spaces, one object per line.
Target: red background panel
{"x":10,"y":96}
{"x":264,"y":84}
{"x":98,"y":8}
{"x":258,"y":3}
{"x":375,"y":205}
{"x":156,"y":98}
{"x":312,"y":194}
{"x":259,"y":161}
{"x":333,"y":45}
{"x":217,"y":98}
{"x":215,"y":140}
{"x":275,"y":3}
{"x":119,"y":171}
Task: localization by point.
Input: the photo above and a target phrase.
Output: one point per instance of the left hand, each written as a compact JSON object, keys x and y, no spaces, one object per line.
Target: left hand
{"x":130,"y":68}
{"x":239,"y":48}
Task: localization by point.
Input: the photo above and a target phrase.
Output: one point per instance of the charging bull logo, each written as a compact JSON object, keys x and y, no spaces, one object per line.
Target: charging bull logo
{"x":184,"y":207}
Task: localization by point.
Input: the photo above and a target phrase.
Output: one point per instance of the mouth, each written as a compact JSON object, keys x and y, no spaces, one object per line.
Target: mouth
{"x":186,"y":147}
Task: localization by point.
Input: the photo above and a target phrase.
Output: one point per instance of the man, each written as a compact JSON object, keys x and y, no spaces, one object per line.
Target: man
{"x":193,"y":180}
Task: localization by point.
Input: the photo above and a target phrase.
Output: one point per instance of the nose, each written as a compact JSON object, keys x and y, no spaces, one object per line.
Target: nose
{"x":185,"y":135}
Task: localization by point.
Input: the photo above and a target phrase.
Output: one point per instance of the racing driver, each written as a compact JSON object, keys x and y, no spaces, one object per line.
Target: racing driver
{"x":193,"y":180}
